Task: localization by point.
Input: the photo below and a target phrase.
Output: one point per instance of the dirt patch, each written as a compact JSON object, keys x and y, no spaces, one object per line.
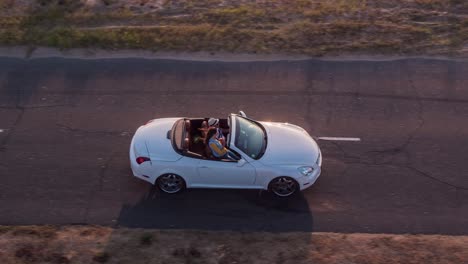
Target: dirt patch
{"x":93,"y":244}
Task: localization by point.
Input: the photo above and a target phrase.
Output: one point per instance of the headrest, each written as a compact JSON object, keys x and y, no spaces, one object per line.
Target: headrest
{"x":186,"y":143}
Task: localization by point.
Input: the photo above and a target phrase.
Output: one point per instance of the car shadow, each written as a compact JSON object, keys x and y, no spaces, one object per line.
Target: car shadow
{"x":216,"y":209}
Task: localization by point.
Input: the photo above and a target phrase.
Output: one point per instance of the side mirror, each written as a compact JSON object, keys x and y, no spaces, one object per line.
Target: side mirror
{"x":241,"y":113}
{"x":241,"y":162}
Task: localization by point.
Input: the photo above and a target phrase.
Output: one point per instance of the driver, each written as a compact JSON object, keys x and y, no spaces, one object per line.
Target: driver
{"x":218,"y":146}
{"x":214,"y":122}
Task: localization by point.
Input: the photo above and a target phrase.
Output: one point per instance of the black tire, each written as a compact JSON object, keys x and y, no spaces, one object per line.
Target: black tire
{"x":283,"y":186}
{"x":170,"y":183}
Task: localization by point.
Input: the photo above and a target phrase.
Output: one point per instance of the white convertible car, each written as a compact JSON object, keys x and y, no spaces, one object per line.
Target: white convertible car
{"x":279,"y":157}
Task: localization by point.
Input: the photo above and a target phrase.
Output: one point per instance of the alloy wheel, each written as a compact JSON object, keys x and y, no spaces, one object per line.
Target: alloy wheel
{"x":283,"y":186}
{"x":170,"y":183}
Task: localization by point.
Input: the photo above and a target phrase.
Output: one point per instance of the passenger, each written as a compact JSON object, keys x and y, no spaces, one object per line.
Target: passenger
{"x":204,"y":129}
{"x":218,"y":149}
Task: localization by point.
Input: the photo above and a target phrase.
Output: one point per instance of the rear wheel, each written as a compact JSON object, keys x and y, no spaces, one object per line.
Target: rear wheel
{"x":283,"y":186}
{"x":171,"y":183}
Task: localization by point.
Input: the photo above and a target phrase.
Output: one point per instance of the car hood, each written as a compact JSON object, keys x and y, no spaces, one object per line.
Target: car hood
{"x":289,"y":145}
{"x":151,"y":140}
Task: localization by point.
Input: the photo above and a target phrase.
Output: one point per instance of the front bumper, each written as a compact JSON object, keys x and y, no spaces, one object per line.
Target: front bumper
{"x":307,"y":181}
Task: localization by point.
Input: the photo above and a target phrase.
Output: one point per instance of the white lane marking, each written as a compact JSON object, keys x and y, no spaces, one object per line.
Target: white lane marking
{"x":2,"y":130}
{"x":340,"y":138}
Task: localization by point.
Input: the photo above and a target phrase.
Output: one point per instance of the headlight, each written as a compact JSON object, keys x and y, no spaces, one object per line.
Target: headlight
{"x":306,"y":170}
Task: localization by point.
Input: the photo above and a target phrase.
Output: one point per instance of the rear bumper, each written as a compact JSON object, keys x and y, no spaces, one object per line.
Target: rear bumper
{"x":132,"y":156}
{"x":136,"y":168}
{"x":307,"y":181}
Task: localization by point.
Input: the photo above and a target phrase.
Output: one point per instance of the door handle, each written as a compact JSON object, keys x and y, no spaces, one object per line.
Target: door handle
{"x":203,"y":167}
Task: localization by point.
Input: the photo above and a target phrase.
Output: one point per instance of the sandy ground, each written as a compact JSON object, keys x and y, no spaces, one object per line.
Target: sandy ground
{"x":86,"y":244}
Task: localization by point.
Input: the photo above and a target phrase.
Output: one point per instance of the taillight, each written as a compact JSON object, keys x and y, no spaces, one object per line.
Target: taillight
{"x":140,"y":160}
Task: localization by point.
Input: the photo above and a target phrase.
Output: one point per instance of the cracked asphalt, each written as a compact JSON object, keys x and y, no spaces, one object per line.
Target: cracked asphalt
{"x":66,"y":125}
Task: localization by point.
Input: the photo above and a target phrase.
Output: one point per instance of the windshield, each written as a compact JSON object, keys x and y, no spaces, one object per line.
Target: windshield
{"x":250,"y":138}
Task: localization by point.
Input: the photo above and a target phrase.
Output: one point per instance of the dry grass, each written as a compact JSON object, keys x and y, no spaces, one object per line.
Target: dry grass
{"x":87,"y":244}
{"x":314,"y":27}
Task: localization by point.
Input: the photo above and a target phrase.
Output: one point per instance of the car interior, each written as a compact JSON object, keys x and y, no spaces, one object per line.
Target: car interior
{"x":194,"y":138}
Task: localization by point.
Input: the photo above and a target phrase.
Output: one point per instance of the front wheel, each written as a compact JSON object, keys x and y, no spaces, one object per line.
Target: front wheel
{"x":283,"y":186}
{"x":171,"y":183}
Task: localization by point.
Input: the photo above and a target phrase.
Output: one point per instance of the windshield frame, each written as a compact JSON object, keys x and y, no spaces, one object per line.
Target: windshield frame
{"x":236,"y":135}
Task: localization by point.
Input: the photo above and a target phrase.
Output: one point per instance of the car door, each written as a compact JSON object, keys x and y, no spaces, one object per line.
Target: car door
{"x":215,"y":173}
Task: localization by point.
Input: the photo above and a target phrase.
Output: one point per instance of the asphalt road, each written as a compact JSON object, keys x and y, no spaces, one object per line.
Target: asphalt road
{"x":66,"y":124}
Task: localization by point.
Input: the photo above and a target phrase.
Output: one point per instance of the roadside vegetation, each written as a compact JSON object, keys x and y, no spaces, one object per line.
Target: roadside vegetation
{"x":312,"y":27}
{"x":93,"y":244}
